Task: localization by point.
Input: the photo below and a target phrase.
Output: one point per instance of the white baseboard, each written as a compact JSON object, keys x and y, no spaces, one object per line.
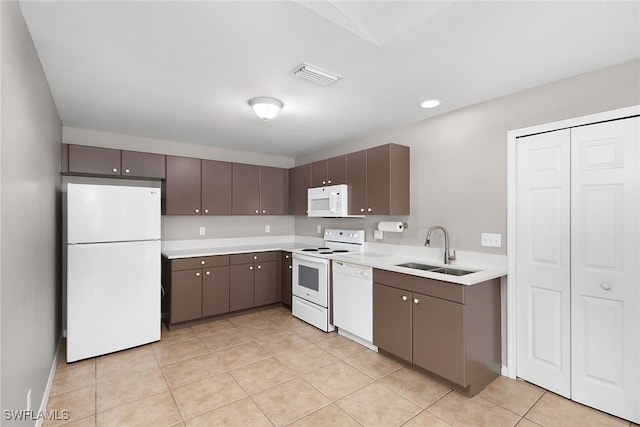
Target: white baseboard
{"x":47,"y":390}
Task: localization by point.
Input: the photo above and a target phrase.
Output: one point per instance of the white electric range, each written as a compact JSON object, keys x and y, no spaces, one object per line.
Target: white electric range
{"x":311,"y":288}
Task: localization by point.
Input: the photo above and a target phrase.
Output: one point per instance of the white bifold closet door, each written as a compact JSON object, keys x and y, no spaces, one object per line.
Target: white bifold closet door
{"x":605,"y":266}
{"x":544,"y":261}
{"x":578,"y":264}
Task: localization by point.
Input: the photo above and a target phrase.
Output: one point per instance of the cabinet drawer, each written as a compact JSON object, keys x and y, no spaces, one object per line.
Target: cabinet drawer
{"x":434,"y":288}
{"x":251,"y":257}
{"x":199,"y":262}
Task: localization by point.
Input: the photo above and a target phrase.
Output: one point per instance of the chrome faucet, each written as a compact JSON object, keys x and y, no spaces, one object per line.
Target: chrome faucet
{"x":427,"y":242}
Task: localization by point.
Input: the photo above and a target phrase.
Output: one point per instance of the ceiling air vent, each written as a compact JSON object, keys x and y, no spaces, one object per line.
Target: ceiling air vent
{"x":315,"y":74}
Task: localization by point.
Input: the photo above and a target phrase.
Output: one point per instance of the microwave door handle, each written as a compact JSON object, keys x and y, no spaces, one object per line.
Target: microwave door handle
{"x":332,"y":202}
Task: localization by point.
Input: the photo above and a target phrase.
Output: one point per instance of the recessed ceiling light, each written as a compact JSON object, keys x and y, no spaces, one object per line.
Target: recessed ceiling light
{"x":430,"y":103}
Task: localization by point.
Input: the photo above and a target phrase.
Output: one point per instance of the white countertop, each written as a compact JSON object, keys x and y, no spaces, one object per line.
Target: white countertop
{"x":376,"y":255}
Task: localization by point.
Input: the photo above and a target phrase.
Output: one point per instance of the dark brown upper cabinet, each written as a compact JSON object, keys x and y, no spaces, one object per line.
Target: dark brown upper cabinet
{"x":246,"y":189}
{"x":94,"y":160}
{"x":258,"y":190}
{"x":332,"y":171}
{"x":84,"y":160}
{"x":143,"y":165}
{"x":378,"y":180}
{"x":216,"y":187}
{"x":299,"y":182}
{"x":272,"y":191}
{"x":182,"y":191}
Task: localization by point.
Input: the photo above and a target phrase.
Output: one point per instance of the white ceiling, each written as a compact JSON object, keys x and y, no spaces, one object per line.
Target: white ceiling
{"x":184,"y":71}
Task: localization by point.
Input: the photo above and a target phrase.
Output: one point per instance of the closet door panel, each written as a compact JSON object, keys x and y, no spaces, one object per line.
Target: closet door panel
{"x":543,"y":261}
{"x":605,"y":291}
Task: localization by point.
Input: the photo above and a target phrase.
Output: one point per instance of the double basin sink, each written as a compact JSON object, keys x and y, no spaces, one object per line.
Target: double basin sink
{"x":435,"y":269}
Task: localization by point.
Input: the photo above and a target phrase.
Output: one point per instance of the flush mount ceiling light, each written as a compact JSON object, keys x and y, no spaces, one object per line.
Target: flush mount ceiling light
{"x":265,"y":107}
{"x":430,"y":103}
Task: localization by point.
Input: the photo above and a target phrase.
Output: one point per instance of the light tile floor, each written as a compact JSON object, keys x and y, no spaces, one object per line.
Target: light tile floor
{"x":269,"y":368}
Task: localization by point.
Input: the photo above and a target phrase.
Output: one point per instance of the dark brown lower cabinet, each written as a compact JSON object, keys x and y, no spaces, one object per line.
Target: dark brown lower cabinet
{"x":186,"y":295}
{"x":450,"y":330}
{"x":241,"y":286}
{"x":215,"y":291}
{"x":265,"y":284}
{"x":392,"y":320}
{"x":438,"y":337}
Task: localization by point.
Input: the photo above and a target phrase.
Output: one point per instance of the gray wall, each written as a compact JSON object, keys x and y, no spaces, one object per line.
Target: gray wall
{"x":30,"y":221}
{"x":459,"y":159}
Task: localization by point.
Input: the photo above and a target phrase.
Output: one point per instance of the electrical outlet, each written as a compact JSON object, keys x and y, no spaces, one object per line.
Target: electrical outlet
{"x":491,"y":240}
{"x":202,"y":231}
{"x":319,"y":229}
{"x":267,"y":229}
{"x":29,"y":400}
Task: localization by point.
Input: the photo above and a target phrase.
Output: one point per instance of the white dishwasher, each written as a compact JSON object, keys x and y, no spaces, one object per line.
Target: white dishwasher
{"x":353,"y":302}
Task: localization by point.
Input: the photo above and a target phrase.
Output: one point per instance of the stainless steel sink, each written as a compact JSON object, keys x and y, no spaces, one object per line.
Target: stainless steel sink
{"x":452,"y":271}
{"x":419,"y":266}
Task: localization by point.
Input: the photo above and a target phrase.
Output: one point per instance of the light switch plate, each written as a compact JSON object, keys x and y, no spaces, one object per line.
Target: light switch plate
{"x":491,"y":240}
{"x":267,"y":229}
{"x":319,"y":229}
{"x":202,"y":231}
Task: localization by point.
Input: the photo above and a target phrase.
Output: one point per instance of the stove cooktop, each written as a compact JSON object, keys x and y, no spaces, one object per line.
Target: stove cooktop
{"x":325,"y":251}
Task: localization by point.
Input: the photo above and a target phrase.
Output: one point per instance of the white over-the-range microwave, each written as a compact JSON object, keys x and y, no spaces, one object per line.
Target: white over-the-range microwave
{"x":331,"y":201}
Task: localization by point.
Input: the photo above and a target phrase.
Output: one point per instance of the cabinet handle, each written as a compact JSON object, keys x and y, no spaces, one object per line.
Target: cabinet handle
{"x":286,"y":257}
{"x":251,"y":267}
{"x":324,"y":182}
{"x":202,"y":262}
{"x":198,"y":274}
{"x":329,"y":182}
{"x":197,"y":210}
{"x":369,"y":210}
{"x":416,"y":300}
{"x":208,"y":273}
{"x":264,"y":211}
{"x":361,"y":209}
{"x":206,"y":211}
{"x":605,"y":286}
{"x":290,"y":267}
{"x":404,"y":298}
{"x":115,"y":169}
{"x":259,"y":267}
{"x":127,"y":171}
{"x":255,"y":257}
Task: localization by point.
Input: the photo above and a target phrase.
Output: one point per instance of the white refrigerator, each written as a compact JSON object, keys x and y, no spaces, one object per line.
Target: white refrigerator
{"x":112,"y":267}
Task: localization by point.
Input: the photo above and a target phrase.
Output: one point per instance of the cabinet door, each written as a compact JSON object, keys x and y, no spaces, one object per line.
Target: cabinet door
{"x":186,"y":295}
{"x":241,"y":287}
{"x":337,"y":170}
{"x":143,"y":165}
{"x":272,"y":191}
{"x":94,"y":160}
{"x":216,"y":187}
{"x":438,"y":337}
{"x":299,"y":183}
{"x":357,"y":181}
{"x":287,"y":271}
{"x":378,"y":181}
{"x":215,"y":291}
{"x":182,"y":186}
{"x":392,"y":325}
{"x":246,"y":189}
{"x":265,"y":283}
{"x":319,"y":173}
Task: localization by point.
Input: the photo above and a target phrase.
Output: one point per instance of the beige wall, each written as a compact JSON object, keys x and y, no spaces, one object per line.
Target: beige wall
{"x":459,"y":159}
{"x":188,"y":227}
{"x":30,"y":240}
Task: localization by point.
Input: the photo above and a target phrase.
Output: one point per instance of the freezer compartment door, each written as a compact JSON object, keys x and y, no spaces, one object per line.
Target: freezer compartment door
{"x":111,"y":213}
{"x":113,"y":297}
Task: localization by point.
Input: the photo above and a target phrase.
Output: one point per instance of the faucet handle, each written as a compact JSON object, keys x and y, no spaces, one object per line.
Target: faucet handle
{"x":450,"y":256}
